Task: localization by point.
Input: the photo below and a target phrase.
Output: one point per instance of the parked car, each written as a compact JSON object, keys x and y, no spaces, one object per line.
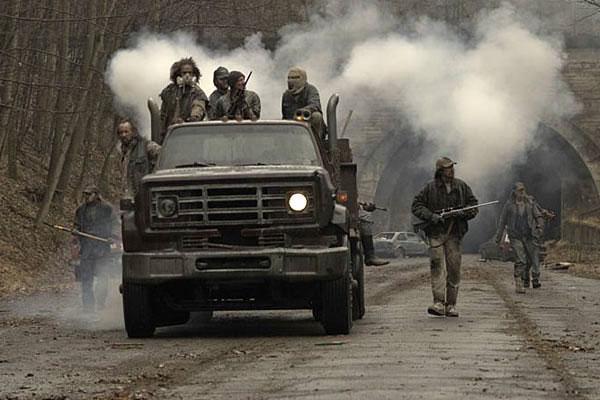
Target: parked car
{"x":399,"y":244}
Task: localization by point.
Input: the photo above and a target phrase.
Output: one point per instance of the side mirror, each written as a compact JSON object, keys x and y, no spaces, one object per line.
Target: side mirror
{"x":127,"y":204}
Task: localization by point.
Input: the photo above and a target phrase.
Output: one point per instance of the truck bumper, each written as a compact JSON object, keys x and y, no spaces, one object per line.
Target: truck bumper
{"x":276,"y":264}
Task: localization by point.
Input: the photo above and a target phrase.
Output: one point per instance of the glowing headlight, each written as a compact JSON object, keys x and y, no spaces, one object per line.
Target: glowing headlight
{"x":167,"y":207}
{"x":298,"y":202}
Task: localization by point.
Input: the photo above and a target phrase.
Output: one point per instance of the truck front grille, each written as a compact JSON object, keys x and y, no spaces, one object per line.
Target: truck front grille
{"x":219,"y":205}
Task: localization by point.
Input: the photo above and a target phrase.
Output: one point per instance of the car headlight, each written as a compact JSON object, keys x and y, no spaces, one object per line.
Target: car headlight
{"x":298,"y":202}
{"x":167,"y":207}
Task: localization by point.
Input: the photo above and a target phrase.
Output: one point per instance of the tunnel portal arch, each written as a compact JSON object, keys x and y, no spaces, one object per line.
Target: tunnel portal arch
{"x":399,"y":163}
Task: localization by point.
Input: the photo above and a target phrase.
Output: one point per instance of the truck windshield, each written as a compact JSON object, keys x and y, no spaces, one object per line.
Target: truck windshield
{"x":238,"y":144}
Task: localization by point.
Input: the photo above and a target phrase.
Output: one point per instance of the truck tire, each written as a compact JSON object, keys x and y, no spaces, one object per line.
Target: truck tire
{"x":317,"y":312}
{"x":358,"y":292}
{"x":137,"y":311}
{"x":337,"y":305}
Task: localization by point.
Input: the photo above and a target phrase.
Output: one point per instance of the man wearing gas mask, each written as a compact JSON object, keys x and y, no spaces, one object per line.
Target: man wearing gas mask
{"x":302,"y":100}
{"x":182,"y":99}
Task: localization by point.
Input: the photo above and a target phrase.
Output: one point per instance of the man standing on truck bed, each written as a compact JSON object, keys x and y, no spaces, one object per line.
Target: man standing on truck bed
{"x":138,"y":156}
{"x":220,"y":78}
{"x":239,"y":103}
{"x":182,"y":99}
{"x":303,"y":98}
{"x":445,"y":235}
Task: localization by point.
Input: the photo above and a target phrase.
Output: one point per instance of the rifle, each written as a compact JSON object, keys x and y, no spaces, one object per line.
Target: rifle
{"x":238,"y":103}
{"x":78,"y":233}
{"x":420,"y":225}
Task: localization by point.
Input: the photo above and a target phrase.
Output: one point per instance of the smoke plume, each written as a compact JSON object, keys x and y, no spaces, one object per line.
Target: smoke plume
{"x":478,"y":95}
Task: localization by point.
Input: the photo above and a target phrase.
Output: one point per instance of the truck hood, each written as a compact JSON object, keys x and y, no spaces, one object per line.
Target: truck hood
{"x":253,"y":172}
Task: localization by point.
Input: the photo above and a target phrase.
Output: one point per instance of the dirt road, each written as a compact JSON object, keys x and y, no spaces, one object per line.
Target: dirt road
{"x":544,"y":344}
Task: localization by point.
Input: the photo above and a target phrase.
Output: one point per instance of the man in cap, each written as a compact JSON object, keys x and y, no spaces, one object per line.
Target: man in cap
{"x":220,"y":77}
{"x":444,"y":234}
{"x":96,"y":217}
{"x":523,"y":220}
{"x":239,"y":103}
{"x":301,"y":98}
{"x":138,"y":156}
{"x":182,"y":99}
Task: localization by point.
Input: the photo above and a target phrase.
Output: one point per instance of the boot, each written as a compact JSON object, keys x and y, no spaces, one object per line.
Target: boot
{"x":519,"y":285}
{"x":369,"y":249}
{"x":536,"y":284}
{"x":437,"y":309}
{"x":451,"y":311}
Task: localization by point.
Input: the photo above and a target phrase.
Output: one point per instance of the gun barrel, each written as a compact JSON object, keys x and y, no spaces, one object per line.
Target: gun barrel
{"x":78,"y":233}
{"x":457,"y":210}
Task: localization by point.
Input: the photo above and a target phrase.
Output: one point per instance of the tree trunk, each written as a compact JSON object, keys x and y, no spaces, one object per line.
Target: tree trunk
{"x":94,"y":48}
{"x":9,"y":117}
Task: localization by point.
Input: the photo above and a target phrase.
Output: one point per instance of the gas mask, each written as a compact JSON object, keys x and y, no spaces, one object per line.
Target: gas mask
{"x":186,"y":80}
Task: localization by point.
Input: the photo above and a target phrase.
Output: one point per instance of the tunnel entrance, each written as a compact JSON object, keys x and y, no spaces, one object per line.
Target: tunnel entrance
{"x":551,"y":169}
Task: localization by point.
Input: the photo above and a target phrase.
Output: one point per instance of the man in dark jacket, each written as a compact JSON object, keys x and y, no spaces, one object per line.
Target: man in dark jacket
{"x":445,"y":235}
{"x":138,"y":156}
{"x":303,"y":98}
{"x":523,"y":220}
{"x":96,"y":217}
{"x":239,"y":103}
{"x":182,"y":99}
{"x":220,"y":78}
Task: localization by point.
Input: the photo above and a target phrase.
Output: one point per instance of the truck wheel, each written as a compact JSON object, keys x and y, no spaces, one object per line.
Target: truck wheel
{"x":317,"y":312}
{"x":137,"y":311}
{"x":358,"y":292}
{"x":337,"y":305}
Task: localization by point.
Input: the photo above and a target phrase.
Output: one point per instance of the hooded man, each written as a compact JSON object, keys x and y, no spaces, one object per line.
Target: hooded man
{"x":523,"y":220}
{"x":182,"y":99}
{"x":445,"y":235}
{"x":220,"y":80}
{"x":302,"y":99}
{"x":239,"y":103}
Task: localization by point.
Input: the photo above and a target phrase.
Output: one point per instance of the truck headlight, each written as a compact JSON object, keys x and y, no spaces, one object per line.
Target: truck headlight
{"x":167,"y":207}
{"x":297,"y":202}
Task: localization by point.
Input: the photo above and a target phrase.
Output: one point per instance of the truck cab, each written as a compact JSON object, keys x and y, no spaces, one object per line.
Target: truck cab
{"x":245,"y":215}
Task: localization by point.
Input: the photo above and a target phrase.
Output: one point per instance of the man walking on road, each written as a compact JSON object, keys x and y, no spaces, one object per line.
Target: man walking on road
{"x":96,"y":217}
{"x":445,"y":234}
{"x":523,"y":220}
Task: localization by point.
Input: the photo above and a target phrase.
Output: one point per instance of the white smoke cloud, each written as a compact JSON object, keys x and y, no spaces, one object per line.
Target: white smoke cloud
{"x":480,"y":99}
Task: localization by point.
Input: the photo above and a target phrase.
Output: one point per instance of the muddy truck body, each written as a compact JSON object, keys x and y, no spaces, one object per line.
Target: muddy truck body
{"x":252,"y":215}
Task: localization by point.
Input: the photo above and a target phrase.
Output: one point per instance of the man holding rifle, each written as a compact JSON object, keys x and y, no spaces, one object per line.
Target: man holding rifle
{"x":94,"y":219}
{"x":239,"y":103}
{"x":445,"y":232}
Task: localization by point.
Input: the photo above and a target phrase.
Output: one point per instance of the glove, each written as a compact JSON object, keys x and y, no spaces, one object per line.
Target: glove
{"x":436,"y":218}
{"x":370,"y":207}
